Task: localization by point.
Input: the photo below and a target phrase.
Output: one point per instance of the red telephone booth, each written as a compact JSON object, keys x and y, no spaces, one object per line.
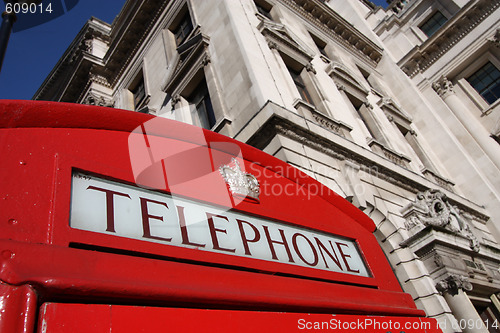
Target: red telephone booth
{"x":116,"y":221}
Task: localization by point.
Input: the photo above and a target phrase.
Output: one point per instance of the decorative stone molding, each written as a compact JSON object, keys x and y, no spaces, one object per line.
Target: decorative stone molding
{"x":340,"y":87}
{"x":76,"y":60}
{"x":443,"y":87}
{"x":423,"y":56}
{"x":99,"y":79}
{"x":346,"y":80}
{"x":136,"y":22}
{"x":433,"y":176}
{"x":388,"y":153}
{"x":193,"y":55}
{"x":280,"y":38}
{"x":453,"y":283}
{"x":288,"y":132}
{"x":89,"y":45}
{"x":93,"y":99}
{"x":432,"y":208}
{"x":310,"y":68}
{"x":438,"y":260}
{"x":331,"y":23}
{"x":206,"y":60}
{"x":175,"y":99}
{"x":272,"y":45}
{"x":495,"y":39}
{"x":393,"y":111}
{"x":397,"y":6}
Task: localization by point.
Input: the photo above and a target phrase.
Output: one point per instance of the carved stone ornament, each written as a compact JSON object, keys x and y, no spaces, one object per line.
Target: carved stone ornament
{"x":241,"y":184}
{"x":340,"y":87}
{"x":453,"y":283}
{"x":443,"y":86}
{"x":206,"y":60}
{"x":495,"y":39}
{"x":272,"y":45}
{"x":310,"y":68}
{"x":92,"y":99}
{"x":89,"y":45}
{"x":175,"y":99}
{"x":438,"y":260}
{"x":432,"y":208}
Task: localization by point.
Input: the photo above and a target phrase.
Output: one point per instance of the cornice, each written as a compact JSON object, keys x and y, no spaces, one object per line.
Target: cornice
{"x":71,"y":59}
{"x":420,"y":58}
{"x":327,"y":20}
{"x":193,"y":53}
{"x":282,"y":38}
{"x":130,"y":30}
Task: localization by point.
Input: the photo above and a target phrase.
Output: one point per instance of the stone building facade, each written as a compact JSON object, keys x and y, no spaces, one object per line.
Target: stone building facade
{"x":395,"y":109}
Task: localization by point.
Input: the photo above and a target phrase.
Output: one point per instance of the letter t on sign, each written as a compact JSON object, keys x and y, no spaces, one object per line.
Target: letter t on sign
{"x":110,"y":208}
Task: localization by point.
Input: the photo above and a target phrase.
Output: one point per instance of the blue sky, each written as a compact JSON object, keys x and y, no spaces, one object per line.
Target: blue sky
{"x":32,"y":53}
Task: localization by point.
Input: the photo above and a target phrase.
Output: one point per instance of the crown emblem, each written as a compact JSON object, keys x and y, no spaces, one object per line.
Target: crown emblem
{"x":241,"y":184}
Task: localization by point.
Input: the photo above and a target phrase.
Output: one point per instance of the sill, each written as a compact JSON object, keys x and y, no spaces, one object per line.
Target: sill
{"x":219,"y":125}
{"x":143,"y":103}
{"x":325,"y":59}
{"x":391,"y":155}
{"x":474,"y":96}
{"x":435,"y":178}
{"x":490,"y":108}
{"x":263,"y":17}
{"x":309,"y":112}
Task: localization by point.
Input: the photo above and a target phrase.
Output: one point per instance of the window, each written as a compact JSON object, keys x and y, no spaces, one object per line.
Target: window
{"x":364,"y":115}
{"x":264,"y":9}
{"x":183,"y":29}
{"x":301,"y":87}
{"x":321,"y":45}
{"x":202,"y":106}
{"x":432,"y":25}
{"x":486,"y":81}
{"x":138,"y":90}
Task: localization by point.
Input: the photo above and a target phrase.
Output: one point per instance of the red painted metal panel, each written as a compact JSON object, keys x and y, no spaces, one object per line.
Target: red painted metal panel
{"x":84,"y":318}
{"x":17,"y":306}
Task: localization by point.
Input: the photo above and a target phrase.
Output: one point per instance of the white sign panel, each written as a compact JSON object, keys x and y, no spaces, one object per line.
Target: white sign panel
{"x":113,"y":208}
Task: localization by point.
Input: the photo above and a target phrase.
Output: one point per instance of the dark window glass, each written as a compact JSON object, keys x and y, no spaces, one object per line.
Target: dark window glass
{"x":301,"y":87}
{"x":183,"y":29}
{"x":433,"y":24}
{"x":139,"y":93}
{"x":322,"y":51}
{"x":487,"y":82}
{"x":320,"y":45}
{"x":200,"y":98}
{"x":266,"y":11}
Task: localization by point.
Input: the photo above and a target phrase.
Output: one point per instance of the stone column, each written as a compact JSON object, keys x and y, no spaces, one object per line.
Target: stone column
{"x":444,"y":88}
{"x":453,"y":290}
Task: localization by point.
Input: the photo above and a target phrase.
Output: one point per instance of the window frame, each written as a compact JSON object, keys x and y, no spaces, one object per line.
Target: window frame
{"x":198,"y":97}
{"x":185,"y":22}
{"x":471,"y":67}
{"x":138,"y":78}
{"x":264,"y":9}
{"x":487,"y":88}
{"x":301,"y":86}
{"x":429,"y":18}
